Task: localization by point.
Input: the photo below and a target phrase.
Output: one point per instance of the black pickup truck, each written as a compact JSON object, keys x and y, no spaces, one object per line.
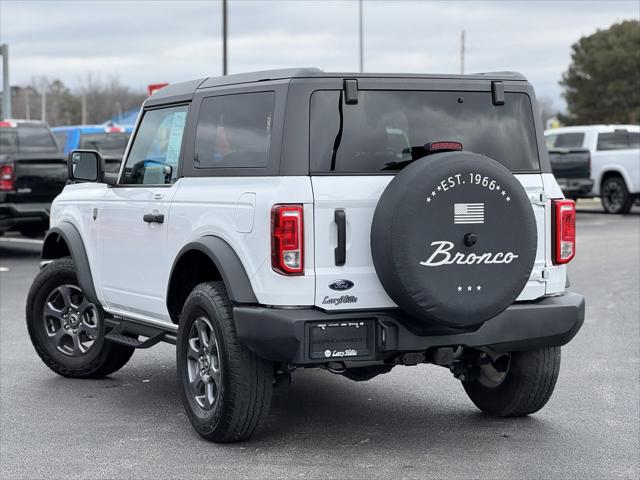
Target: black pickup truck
{"x":33,"y":171}
{"x":572,"y":169}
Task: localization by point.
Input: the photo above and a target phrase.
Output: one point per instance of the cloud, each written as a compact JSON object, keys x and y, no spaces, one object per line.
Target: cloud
{"x":145,"y":42}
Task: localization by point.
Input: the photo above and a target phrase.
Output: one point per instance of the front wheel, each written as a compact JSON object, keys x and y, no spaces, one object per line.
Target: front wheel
{"x":225,"y":388}
{"x":523,"y":388}
{"x":66,"y":329}
{"x":615,"y":196}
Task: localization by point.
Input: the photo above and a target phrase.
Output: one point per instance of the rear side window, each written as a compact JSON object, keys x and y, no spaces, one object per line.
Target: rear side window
{"x":234,"y":131}
{"x":34,"y":139}
{"x":387,"y":129}
{"x":618,"y":140}
{"x":569,"y":140}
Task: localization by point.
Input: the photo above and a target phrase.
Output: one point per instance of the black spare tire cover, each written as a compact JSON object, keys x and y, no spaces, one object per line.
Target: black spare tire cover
{"x":454,"y":239}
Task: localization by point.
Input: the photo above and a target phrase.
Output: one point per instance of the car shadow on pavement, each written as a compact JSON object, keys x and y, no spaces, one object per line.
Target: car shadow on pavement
{"x":339,"y":413}
{"x":319,"y":411}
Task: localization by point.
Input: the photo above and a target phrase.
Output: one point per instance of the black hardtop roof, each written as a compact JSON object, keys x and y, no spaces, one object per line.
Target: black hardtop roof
{"x":185,"y":88}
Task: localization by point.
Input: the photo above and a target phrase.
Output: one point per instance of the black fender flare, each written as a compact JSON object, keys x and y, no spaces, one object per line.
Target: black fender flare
{"x":227,"y":262}
{"x":71,"y":236}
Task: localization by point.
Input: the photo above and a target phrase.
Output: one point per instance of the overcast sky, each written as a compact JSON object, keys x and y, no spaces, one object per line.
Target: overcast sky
{"x":150,"y":41}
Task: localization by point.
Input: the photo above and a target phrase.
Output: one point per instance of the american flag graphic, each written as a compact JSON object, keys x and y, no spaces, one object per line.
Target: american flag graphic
{"x":468,"y":213}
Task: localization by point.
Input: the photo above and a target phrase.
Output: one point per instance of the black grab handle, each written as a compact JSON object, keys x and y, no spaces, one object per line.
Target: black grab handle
{"x":153,"y":217}
{"x":341,"y":250}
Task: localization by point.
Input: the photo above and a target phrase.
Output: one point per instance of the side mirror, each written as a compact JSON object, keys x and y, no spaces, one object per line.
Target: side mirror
{"x":85,"y":166}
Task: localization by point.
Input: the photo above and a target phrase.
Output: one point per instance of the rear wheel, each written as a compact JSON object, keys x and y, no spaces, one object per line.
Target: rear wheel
{"x":66,"y":329}
{"x":615,"y":196}
{"x":225,"y":388}
{"x":523,"y":388}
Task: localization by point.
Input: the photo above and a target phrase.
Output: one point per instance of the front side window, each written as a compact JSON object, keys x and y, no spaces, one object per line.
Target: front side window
{"x":386,"y":130}
{"x":155,"y":153}
{"x":234,"y":131}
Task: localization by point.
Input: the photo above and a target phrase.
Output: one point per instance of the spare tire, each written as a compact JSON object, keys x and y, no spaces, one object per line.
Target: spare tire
{"x":454,"y":239}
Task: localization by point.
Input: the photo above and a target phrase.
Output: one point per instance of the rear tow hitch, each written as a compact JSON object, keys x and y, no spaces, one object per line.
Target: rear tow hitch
{"x":466,"y":364}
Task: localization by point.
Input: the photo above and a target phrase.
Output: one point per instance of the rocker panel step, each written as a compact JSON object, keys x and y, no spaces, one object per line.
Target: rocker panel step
{"x":125,"y":332}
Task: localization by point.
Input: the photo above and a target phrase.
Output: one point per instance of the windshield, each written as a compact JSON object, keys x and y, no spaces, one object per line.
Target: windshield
{"x":108,"y":144}
{"x":387,"y":129}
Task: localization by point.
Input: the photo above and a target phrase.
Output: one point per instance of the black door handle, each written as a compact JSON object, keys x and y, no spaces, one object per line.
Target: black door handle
{"x":153,"y":217}
{"x":341,"y":250}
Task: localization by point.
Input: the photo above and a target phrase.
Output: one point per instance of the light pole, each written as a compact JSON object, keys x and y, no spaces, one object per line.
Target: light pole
{"x":6,"y":87}
{"x":224,"y":37}
{"x":462,"y":52}
{"x":360,"y":36}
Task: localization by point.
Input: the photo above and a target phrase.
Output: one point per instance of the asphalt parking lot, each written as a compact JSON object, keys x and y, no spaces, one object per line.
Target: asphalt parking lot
{"x":415,"y":422}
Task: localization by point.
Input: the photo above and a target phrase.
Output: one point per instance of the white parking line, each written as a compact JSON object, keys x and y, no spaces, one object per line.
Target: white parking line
{"x":22,"y":240}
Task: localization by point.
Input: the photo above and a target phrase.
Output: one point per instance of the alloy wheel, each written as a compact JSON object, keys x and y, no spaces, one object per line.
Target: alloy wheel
{"x":203,"y":364}
{"x":612,"y":195}
{"x":71,"y":322}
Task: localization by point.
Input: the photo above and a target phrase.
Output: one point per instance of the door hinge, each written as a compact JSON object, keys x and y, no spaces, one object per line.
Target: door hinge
{"x":539,"y":198}
{"x":541,"y":275}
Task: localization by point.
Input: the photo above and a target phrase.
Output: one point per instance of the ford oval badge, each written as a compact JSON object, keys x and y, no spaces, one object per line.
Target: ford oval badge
{"x":341,"y":285}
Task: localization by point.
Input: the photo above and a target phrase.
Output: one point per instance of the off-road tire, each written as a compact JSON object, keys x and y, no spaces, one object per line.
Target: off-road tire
{"x":102,"y":359}
{"x":615,"y":185}
{"x":528,"y":385}
{"x":246,"y":381}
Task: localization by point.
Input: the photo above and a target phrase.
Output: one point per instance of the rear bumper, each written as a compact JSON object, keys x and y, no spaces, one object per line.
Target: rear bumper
{"x":13,"y":214}
{"x":576,"y":186}
{"x":284,"y":334}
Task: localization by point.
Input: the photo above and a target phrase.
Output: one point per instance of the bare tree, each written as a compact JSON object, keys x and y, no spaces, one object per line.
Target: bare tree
{"x":95,"y":101}
{"x":107,"y":99}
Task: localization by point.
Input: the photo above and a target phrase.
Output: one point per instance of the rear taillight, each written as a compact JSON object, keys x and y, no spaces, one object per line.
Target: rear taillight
{"x":565,"y":231}
{"x":287,"y":239}
{"x":6,"y":177}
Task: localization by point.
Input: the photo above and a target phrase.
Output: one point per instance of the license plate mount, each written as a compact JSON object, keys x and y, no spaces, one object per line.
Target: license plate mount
{"x":341,"y":340}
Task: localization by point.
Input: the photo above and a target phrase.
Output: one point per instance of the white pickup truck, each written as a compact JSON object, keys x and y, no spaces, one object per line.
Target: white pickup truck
{"x":615,"y":160}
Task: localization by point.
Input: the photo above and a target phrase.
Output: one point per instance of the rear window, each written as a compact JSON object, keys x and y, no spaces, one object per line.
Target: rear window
{"x":8,"y":140}
{"x":108,"y":144}
{"x":387,"y":129}
{"x":35,"y":139}
{"x":568,"y":140}
{"x":618,"y":140}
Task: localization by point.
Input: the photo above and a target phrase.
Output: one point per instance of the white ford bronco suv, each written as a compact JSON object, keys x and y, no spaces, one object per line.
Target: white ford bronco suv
{"x":289,"y":219}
